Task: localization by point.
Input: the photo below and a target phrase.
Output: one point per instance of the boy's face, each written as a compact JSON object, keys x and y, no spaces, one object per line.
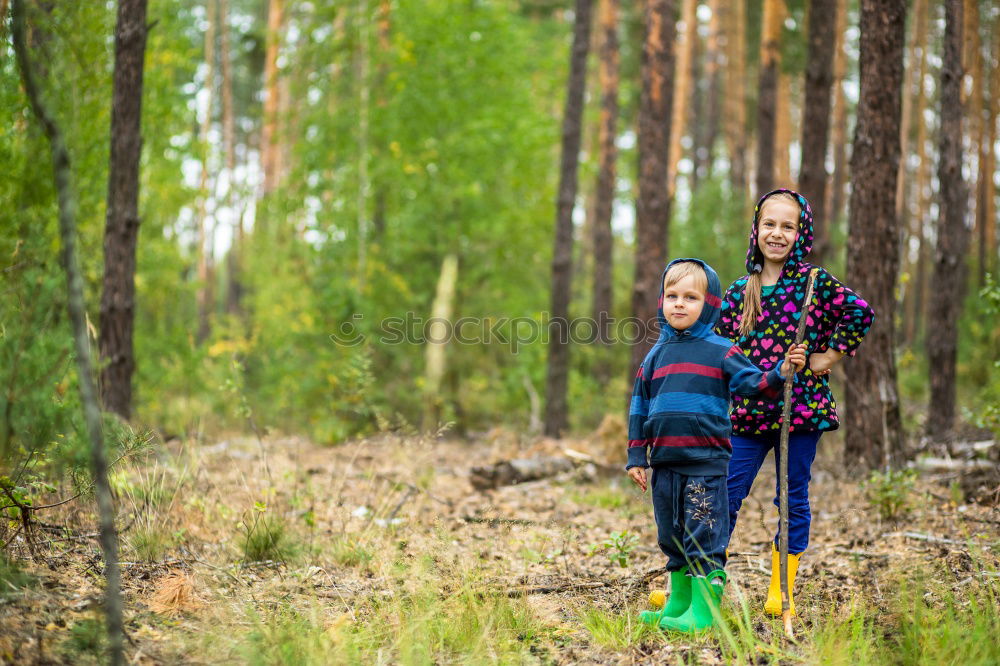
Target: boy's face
{"x":682,"y":302}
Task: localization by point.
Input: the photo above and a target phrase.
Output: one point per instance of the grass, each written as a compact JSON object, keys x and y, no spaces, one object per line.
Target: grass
{"x":615,"y":630}
{"x":424,"y":621}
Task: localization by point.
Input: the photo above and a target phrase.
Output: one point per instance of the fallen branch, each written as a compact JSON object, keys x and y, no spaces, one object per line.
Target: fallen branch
{"x":519,"y":470}
{"x":925,"y":537}
{"x":496,"y":522}
{"x":859,"y":553}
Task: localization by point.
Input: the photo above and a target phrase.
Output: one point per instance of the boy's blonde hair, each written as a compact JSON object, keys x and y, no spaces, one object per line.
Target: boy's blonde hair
{"x":683,"y":269}
{"x":751,"y":293}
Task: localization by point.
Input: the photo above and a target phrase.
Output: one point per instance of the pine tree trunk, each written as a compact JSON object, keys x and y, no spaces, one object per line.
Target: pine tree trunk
{"x":130,"y":46}
{"x":767,"y":94}
{"x":920,"y":199}
{"x":734,"y":21}
{"x":952,"y":238}
{"x":838,"y":138}
{"x":873,"y":426}
{"x":910,"y":219}
{"x":556,"y":383}
{"x":269,"y":134}
{"x":121,"y":230}
{"x":705,"y":157}
{"x":783,"y":129}
{"x":682,"y":91}
{"x":653,"y":203}
{"x":233,"y":286}
{"x":974,"y":104}
{"x":816,"y":112}
{"x":605,"y":190}
{"x":986,"y":211}
{"x":695,"y":119}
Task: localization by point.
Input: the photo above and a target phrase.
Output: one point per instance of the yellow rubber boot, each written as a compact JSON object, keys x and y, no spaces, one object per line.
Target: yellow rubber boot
{"x":773,"y":604}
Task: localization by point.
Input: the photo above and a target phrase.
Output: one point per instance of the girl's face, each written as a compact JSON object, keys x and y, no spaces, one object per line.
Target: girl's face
{"x":777,"y":229}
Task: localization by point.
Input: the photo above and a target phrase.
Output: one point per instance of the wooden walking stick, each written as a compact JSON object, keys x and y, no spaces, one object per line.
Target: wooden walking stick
{"x":786,"y":413}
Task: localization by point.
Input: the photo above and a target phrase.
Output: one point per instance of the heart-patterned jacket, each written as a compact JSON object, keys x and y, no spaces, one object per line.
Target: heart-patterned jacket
{"x":838,"y":319}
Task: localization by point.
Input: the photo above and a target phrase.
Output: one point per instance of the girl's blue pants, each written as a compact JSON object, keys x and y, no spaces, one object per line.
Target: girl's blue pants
{"x":749,"y":452}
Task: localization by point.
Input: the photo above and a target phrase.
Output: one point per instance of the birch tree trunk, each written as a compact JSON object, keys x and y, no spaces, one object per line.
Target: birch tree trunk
{"x":556,"y":383}
{"x":950,"y":267}
{"x":128,"y":15}
{"x":874,"y":429}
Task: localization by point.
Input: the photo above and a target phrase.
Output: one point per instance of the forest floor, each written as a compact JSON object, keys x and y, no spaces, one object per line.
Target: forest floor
{"x":381,"y":551}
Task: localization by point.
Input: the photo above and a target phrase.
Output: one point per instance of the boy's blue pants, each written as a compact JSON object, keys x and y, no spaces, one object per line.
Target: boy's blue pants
{"x":692,"y":519}
{"x":749,"y":452}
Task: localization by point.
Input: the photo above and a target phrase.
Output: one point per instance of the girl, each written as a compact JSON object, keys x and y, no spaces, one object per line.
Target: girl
{"x":760,"y":313}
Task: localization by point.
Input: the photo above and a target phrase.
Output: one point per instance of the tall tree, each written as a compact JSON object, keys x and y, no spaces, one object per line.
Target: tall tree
{"x":989,"y":90}
{"x":986,"y":210}
{"x":205,"y":228}
{"x":921,"y":199}
{"x":838,"y":139}
{"x":816,"y":111}
{"x":734,"y":27}
{"x":605,"y":190}
{"x":767,"y":92}
{"x":556,"y":416}
{"x":683,"y":87}
{"x":653,"y":204}
{"x":952,"y":238}
{"x":705,"y":153}
{"x":121,"y":230}
{"x":129,"y":19}
{"x":874,"y":430}
{"x":233,"y":278}
{"x":909,"y":190}
{"x":269,"y":149}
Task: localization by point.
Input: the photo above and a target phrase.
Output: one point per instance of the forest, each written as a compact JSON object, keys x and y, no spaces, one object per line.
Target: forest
{"x":321,"y":323}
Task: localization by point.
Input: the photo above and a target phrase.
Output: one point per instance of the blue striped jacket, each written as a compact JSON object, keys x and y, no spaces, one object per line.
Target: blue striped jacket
{"x":679,"y":415}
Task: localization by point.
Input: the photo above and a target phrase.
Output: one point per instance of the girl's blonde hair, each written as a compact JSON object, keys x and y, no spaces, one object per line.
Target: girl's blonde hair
{"x":751,"y":293}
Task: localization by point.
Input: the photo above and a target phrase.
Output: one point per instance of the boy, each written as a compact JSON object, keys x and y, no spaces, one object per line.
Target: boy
{"x":680,"y":415}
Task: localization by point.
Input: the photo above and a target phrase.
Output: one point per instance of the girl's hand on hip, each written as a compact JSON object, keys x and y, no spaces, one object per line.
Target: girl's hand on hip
{"x":639,"y":475}
{"x":820,"y":364}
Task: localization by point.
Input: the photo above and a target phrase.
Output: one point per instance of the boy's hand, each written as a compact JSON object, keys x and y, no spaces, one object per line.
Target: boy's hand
{"x":639,"y":475}
{"x":820,"y":364}
{"x":796,"y":357}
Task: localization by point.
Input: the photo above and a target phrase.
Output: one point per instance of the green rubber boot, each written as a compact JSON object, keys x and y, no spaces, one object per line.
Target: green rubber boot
{"x":679,"y":601}
{"x":704,"y":610}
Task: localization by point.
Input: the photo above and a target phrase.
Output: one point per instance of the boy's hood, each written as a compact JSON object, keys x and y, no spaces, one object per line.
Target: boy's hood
{"x":803,"y":243}
{"x":709,"y":312}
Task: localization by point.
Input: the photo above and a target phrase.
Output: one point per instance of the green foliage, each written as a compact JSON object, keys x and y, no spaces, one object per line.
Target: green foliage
{"x":889,"y":492}
{"x":617,"y":547}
